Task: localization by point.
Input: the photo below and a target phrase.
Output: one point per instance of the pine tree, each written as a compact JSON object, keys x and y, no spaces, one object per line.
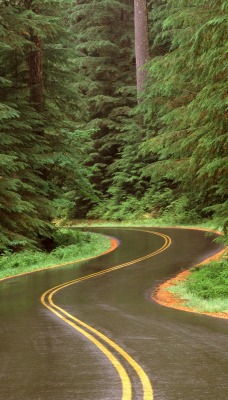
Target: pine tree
{"x":19,"y":215}
{"x":184,"y":105}
{"x":104,"y":32}
{"x":39,"y":117}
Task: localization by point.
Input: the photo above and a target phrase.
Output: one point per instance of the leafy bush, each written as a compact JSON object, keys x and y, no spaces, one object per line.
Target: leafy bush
{"x":70,"y":245}
{"x":67,"y":237}
{"x":24,"y":258}
{"x":157,"y":198}
{"x":126,"y":210}
{"x":209,"y":282}
{"x":179,"y":211}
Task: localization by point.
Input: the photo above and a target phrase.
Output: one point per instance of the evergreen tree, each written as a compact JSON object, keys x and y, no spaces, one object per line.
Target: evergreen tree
{"x":39,"y":117}
{"x":104,"y":31}
{"x":141,"y":41}
{"x":128,"y":184}
{"x":19,"y":215}
{"x":72,"y":134}
{"x":184,"y":106}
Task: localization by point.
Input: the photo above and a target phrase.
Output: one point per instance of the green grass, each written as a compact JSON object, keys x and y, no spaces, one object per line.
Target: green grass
{"x":137,"y":222}
{"x":206,"y":288}
{"x":145,"y":222}
{"x":71,"y":245}
{"x":210,"y":281}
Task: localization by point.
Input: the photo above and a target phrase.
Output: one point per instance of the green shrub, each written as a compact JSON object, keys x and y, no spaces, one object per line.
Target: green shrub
{"x":209,"y":282}
{"x":70,"y":245}
{"x":67,"y":237}
{"x":125,"y":210}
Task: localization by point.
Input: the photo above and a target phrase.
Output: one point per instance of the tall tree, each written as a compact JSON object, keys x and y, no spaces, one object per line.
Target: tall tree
{"x":39,"y":113}
{"x":141,"y":41}
{"x":184,"y":108}
{"x":104,"y":31}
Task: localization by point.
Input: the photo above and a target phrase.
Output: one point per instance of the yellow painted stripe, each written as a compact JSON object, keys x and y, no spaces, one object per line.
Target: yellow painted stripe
{"x":108,"y":270}
{"x":147,"y":389}
{"x":146,"y":385}
{"x":126,"y":383}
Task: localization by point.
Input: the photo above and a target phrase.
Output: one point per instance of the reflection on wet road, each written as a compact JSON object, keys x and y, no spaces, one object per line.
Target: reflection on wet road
{"x":117,"y":340}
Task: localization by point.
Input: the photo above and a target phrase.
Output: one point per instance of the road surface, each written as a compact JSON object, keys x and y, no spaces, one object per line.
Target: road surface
{"x":90,"y":331}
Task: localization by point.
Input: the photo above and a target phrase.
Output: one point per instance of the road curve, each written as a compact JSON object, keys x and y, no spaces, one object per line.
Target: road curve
{"x":117,"y":340}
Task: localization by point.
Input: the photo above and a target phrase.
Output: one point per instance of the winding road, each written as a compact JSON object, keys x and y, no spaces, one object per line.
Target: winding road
{"x":90,"y":331}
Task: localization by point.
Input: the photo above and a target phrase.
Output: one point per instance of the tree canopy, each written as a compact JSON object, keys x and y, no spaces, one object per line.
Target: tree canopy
{"x":74,"y":140}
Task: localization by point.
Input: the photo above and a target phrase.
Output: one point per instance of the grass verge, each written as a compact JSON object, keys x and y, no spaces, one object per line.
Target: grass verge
{"x":71,"y":245}
{"x":147,"y":222}
{"x":206,"y":288}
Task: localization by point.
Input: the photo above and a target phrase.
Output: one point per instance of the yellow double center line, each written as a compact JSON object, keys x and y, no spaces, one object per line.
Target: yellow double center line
{"x":47,"y":301}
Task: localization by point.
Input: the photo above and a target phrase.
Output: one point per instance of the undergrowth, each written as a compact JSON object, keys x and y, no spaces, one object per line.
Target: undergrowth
{"x":206,"y":287}
{"x":71,"y":245}
{"x":210,"y":281}
{"x":145,"y":220}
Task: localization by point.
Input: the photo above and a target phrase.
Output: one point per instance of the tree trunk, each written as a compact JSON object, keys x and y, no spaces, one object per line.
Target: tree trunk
{"x":36,"y":73}
{"x":141,"y":41}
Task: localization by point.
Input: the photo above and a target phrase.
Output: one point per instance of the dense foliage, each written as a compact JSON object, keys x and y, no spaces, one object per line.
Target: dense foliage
{"x":70,"y":246}
{"x":41,"y":145}
{"x":104,"y":31}
{"x":172,"y":164}
{"x":185,"y":108}
{"x":74,"y":142}
{"x":211,"y":281}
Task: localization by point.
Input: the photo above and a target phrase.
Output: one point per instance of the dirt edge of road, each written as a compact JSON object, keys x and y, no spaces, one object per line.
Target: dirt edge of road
{"x":164,"y":297}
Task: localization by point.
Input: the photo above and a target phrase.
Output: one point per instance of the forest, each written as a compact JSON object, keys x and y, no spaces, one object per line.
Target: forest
{"x":101,"y":119}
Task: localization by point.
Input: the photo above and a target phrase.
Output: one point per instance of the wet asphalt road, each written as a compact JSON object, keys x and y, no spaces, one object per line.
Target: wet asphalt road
{"x":184,"y":355}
